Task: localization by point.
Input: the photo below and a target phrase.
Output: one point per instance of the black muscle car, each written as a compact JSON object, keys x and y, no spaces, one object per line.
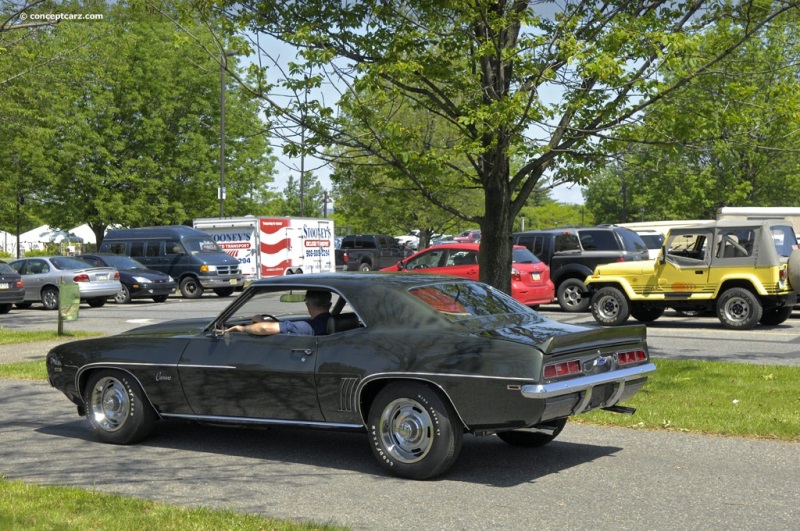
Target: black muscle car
{"x":415,"y":361}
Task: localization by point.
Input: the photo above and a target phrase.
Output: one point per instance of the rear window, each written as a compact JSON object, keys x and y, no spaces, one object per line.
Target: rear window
{"x":523,"y":256}
{"x":632,"y":241}
{"x":784,"y":238}
{"x":5,"y":268}
{"x":460,"y":301}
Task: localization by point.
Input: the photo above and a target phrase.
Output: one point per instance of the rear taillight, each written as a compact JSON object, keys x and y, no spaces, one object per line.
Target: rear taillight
{"x":344,"y":257}
{"x":621,"y":259}
{"x":515,"y":274}
{"x":116,"y":275}
{"x":563,"y":368}
{"x":631,"y":356}
{"x":782,"y":275}
{"x":20,"y":284}
{"x":81,"y":278}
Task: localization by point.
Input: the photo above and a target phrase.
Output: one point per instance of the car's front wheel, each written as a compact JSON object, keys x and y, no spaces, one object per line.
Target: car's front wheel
{"x":224,"y":292}
{"x":610,"y":306}
{"x":533,"y":439}
{"x":571,"y":295}
{"x":5,"y":308}
{"x":116,"y":408}
{"x":191,"y":288}
{"x":739,"y":309}
{"x":161,"y":298}
{"x":123,"y":296}
{"x":414,"y":432}
{"x":50,"y":298}
{"x":775,"y":316}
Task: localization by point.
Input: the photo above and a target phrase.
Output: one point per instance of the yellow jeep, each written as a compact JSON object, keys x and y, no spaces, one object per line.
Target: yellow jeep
{"x":742,"y":270}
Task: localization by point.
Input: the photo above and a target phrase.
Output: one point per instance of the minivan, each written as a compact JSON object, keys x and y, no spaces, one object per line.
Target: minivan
{"x":188,"y":255}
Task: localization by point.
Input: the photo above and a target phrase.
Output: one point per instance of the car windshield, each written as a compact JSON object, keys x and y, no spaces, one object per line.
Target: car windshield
{"x":202,"y":245}
{"x":123,"y":263}
{"x":461,"y":301}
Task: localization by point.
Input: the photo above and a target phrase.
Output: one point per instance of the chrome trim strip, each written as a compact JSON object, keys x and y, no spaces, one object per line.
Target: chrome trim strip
{"x":576,"y":385}
{"x":250,"y":420}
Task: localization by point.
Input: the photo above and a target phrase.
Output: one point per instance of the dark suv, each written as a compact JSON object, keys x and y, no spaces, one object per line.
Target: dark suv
{"x":573,"y":252}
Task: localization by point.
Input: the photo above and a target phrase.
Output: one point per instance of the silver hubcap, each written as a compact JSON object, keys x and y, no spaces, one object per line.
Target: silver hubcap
{"x":110,"y":404}
{"x":573,"y":296}
{"x":608,"y":307}
{"x":406,"y":430}
{"x":737,"y":309}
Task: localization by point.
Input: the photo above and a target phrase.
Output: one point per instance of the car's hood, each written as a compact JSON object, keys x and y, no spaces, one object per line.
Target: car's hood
{"x":552,"y":337}
{"x":181,"y":327}
{"x":636,"y":267}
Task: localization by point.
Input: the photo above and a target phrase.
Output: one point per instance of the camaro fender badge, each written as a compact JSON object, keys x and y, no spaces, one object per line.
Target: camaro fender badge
{"x":161,"y":377}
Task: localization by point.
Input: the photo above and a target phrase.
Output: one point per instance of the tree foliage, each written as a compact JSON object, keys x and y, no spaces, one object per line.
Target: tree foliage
{"x":545,"y":82}
{"x":117,"y":122}
{"x":730,"y":138}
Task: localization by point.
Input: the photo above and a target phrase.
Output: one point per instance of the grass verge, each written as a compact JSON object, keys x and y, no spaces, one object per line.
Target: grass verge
{"x":31,"y":507}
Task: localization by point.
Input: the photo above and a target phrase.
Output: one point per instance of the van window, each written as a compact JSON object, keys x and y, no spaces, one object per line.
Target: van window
{"x":116,"y":248}
{"x":137,"y":249}
{"x":151,"y":249}
{"x":202,"y":245}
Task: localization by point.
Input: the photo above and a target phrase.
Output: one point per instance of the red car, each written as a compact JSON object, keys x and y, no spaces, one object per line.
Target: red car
{"x":530,"y":278}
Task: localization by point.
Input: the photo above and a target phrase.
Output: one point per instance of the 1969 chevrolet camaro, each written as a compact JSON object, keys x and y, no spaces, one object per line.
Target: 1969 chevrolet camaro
{"x":415,"y":361}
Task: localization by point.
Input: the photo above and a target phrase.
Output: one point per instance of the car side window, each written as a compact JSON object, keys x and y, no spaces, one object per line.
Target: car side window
{"x":460,"y":258}
{"x":137,"y":249}
{"x":688,"y":250}
{"x":598,"y":240}
{"x":117,"y":248}
{"x":426,"y":260}
{"x":151,"y":249}
{"x":566,"y":242}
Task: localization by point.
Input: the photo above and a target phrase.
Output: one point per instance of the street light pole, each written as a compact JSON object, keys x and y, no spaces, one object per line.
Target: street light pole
{"x":221,"y":192}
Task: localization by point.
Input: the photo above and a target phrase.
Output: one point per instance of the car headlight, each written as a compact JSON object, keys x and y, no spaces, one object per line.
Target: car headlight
{"x":205,"y":268}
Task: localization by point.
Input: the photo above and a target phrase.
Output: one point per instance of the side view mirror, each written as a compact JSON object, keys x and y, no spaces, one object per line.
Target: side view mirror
{"x":401,"y":265}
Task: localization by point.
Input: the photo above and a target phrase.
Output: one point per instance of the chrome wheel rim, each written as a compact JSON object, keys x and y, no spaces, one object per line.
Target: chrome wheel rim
{"x":122,"y":296}
{"x":608,"y":307}
{"x":110,"y":404}
{"x":573,"y":296}
{"x":50,"y":299}
{"x":737,"y":310}
{"x":406,"y":430}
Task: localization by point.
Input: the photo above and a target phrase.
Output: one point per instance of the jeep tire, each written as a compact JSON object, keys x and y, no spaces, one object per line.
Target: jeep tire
{"x":644,"y":313}
{"x":739,"y":309}
{"x":610,"y":306}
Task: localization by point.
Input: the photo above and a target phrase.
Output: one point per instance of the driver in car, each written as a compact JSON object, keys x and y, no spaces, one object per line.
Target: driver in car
{"x":318,"y":304}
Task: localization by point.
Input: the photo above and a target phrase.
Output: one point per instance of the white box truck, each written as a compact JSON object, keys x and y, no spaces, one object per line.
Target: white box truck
{"x":274,"y":246}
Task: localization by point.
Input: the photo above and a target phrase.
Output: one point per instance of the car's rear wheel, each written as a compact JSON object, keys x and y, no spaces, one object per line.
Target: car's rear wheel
{"x":571,"y":295}
{"x":533,"y":439}
{"x":191,"y":288}
{"x":610,"y":306}
{"x":116,"y":407}
{"x":739,"y":309}
{"x":646,"y":314}
{"x":161,"y":298}
{"x":415,"y":433}
{"x":5,"y":308}
{"x":97,"y":302}
{"x":365,"y":267}
{"x":224,"y":292}
{"x":50,"y":298}
{"x":123,"y":296}
{"x":775,"y":316}
{"x":23,"y":305}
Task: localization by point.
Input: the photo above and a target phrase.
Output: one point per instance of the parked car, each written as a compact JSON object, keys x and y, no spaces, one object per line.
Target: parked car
{"x":12,"y":288}
{"x":138,"y":282}
{"x":530,"y":278}
{"x":368,"y":252}
{"x":43,"y":274}
{"x":412,"y":361}
{"x":653,"y":239}
{"x":747,"y":272}
{"x":468,"y":236}
{"x":572,"y":253}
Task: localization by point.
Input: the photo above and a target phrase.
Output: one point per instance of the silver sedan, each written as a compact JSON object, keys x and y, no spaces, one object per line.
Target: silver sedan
{"x":43,"y":274}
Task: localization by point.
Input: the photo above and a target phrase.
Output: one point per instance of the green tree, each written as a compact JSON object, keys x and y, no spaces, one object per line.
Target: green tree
{"x":729,"y":139}
{"x":488,"y":69}
{"x":128,"y":125}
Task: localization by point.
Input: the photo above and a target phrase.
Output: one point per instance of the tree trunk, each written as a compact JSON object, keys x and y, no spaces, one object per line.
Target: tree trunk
{"x":496,"y":225}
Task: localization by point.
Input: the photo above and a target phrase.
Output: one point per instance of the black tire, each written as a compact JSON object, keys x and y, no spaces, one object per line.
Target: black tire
{"x":97,"y":302}
{"x":161,"y":298}
{"x":5,"y":308}
{"x":50,"y":298}
{"x":116,"y":408}
{"x":794,"y":270}
{"x":23,"y":305}
{"x":191,"y":288}
{"x":123,"y":296}
{"x":533,"y":439}
{"x":224,"y":292}
{"x":739,"y":309}
{"x":414,"y":433}
{"x":646,"y":314}
{"x":572,"y":295}
{"x":365,"y":266}
{"x":775,"y":316}
{"x":610,"y":306}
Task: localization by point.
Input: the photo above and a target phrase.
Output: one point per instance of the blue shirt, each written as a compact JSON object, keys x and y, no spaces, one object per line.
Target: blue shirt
{"x":318,"y":326}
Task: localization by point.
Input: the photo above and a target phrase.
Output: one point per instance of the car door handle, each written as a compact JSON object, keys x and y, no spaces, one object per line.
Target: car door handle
{"x":305,"y":351}
{"x":701,"y":272}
